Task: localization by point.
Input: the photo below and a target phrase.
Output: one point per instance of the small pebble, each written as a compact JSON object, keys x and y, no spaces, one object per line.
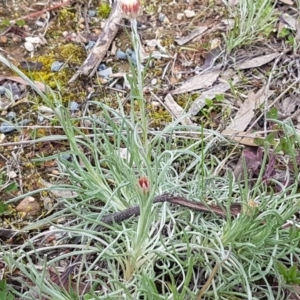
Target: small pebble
{"x":179,"y":16}
{"x":11,"y":115}
{"x":33,"y":39}
{"x":14,"y":89}
{"x":133,"y":58}
{"x":129,"y":51}
{"x":154,"y":81}
{"x":155,"y":104}
{"x":102,"y":67}
{"x":90,"y":45}
{"x":161,"y":17}
{"x":132,"y":55}
{"x":56,"y":66}
{"x":74,"y":106}
{"x":2,"y":90}
{"x":105,"y":73}
{"x":29,"y":46}
{"x":40,"y":118}
{"x":92,"y":13}
{"x":24,"y":122}
{"x":39,"y":23}
{"x":189,"y":13}
{"x":7,"y":127}
{"x":121,"y":55}
{"x":12,"y":174}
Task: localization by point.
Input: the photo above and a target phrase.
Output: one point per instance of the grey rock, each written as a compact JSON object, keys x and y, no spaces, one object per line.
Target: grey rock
{"x":121,"y":55}
{"x":7,"y":127}
{"x":56,"y":66}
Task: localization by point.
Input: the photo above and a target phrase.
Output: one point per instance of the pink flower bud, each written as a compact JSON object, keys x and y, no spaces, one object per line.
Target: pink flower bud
{"x":130,"y":8}
{"x":144,"y":184}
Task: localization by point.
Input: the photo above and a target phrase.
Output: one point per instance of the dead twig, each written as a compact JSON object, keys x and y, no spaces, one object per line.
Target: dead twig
{"x":89,"y":67}
{"x":41,"y":12}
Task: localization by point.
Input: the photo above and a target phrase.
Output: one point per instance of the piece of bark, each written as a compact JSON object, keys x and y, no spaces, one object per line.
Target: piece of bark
{"x":111,"y":28}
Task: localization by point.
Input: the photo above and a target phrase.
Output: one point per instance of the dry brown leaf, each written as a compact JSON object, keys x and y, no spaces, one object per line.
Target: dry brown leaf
{"x":198,"y":82}
{"x":256,"y":62}
{"x":196,"y":32}
{"x":288,"y":107}
{"x":218,"y":89}
{"x":290,"y":21}
{"x":241,"y":137}
{"x":246,"y":112}
{"x":176,"y":110}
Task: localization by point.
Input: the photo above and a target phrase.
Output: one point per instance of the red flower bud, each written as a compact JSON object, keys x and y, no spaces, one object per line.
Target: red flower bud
{"x":144,"y":184}
{"x":130,"y":8}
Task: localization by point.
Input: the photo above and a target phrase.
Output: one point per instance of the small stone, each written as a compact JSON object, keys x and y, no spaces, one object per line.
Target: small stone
{"x":102,"y":67}
{"x":74,"y":106}
{"x":56,"y":66}
{"x":7,"y":127}
{"x":90,"y":45}
{"x":105,"y":73}
{"x":161,"y":17}
{"x":121,"y":55}
{"x":129,"y":51}
{"x":12,"y":174}
{"x":179,"y":16}
{"x":92,"y":13}
{"x":11,"y":115}
{"x":189,"y":13}
{"x":24,"y":122}
{"x":133,"y":58}
{"x":29,"y":207}
{"x":154,"y":81}
{"x":33,"y":39}
{"x":155,"y":104}
{"x":39,"y":23}
{"x":29,"y":46}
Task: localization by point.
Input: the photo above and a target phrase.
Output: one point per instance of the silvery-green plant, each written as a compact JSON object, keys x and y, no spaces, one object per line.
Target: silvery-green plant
{"x":252,"y":21}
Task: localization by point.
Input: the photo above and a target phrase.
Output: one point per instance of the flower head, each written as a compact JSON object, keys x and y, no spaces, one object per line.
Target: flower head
{"x":144,"y":184}
{"x":130,"y":8}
